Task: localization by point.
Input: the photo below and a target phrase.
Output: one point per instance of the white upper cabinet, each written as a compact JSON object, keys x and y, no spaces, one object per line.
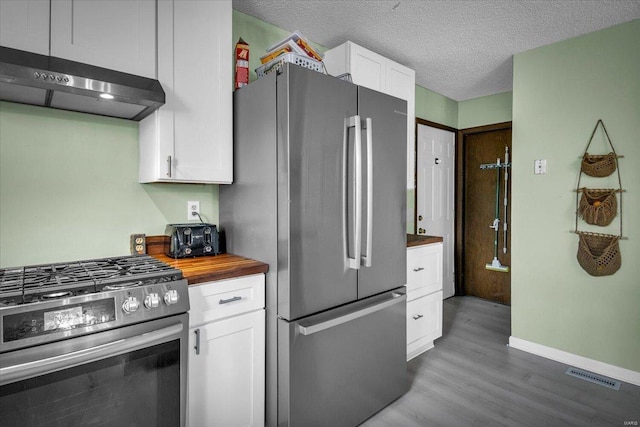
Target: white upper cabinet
{"x":190,"y":138}
{"x":376,"y":72}
{"x":24,"y":25}
{"x":120,"y":35}
{"x":369,"y":67}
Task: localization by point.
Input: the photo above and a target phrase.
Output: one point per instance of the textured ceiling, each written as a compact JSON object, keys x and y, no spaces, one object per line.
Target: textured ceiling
{"x":460,"y":49}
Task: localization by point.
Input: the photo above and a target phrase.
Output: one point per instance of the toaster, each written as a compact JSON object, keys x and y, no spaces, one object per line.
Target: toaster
{"x":191,"y":240}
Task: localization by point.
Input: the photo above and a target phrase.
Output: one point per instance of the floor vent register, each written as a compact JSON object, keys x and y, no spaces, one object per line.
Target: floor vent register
{"x":594,"y":378}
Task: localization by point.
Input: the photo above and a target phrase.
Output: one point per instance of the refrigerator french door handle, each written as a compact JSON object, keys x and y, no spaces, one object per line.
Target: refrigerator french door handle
{"x":393,"y":299}
{"x":366,"y":259}
{"x":353,"y":263}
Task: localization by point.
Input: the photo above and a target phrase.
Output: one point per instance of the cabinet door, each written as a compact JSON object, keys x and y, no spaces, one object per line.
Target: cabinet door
{"x":401,"y":83}
{"x":226,"y":378}
{"x":190,"y":139}
{"x":203,"y":90}
{"x":367,"y":68}
{"x":120,"y":35}
{"x":424,"y":323}
{"x":24,"y":25}
{"x":424,"y":269}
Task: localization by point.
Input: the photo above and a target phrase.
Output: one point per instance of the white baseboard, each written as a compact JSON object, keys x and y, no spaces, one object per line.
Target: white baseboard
{"x":616,"y":372}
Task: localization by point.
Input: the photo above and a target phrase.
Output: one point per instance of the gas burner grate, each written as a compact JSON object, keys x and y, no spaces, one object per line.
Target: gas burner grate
{"x":11,"y":279}
{"x":36,"y":283}
{"x":54,"y":275}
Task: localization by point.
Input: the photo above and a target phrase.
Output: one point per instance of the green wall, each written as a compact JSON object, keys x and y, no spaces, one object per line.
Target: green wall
{"x":69,"y":187}
{"x":559,"y":93}
{"x":436,"y":108}
{"x":485,"y":110}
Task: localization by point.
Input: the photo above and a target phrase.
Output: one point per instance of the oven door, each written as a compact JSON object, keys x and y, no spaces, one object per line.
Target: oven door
{"x":131,"y":376}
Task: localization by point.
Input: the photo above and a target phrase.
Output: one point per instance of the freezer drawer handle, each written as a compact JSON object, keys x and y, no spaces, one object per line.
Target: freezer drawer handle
{"x":418,"y":269}
{"x":419,"y":316}
{"x":227,"y":301}
{"x":318,"y":327}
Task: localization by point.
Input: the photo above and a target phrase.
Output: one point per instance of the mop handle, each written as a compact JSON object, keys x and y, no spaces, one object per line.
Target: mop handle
{"x":497,"y":217}
{"x":506,"y":195}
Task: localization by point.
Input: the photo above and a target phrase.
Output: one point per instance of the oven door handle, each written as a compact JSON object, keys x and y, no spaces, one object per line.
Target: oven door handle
{"x":56,"y":363}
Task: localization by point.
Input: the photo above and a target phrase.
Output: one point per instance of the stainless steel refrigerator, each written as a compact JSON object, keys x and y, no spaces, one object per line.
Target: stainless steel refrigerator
{"x":319,"y":194}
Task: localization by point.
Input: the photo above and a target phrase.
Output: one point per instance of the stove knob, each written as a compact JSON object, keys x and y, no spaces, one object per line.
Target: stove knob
{"x":151,"y":300}
{"x":171,"y":297}
{"x":130,"y":305}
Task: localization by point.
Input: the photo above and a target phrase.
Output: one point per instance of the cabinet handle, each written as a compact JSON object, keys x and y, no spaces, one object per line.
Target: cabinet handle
{"x":417,"y":317}
{"x":418,"y":269}
{"x":197,"y":346}
{"x":226,"y":301}
{"x":169,"y":166}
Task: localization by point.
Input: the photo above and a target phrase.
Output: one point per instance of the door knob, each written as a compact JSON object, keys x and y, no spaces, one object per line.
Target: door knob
{"x":419,"y":217}
{"x":421,"y":230}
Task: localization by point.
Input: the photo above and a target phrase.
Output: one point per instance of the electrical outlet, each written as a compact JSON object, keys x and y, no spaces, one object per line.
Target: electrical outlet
{"x":193,"y":208}
{"x":138,"y":244}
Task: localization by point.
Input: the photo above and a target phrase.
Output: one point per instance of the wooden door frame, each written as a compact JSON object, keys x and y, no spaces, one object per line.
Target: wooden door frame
{"x":459,"y":197}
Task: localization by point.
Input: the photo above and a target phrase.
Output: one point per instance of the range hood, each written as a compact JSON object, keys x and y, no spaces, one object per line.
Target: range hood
{"x":47,"y":81}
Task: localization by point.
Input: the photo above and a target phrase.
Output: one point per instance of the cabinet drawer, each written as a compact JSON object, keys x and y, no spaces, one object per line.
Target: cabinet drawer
{"x":424,"y":268}
{"x":424,"y":319}
{"x":224,"y":298}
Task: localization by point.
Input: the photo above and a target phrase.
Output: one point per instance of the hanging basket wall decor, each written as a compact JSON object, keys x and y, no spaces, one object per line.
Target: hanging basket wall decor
{"x":598,"y":207}
{"x":598,"y":165}
{"x":599,"y":254}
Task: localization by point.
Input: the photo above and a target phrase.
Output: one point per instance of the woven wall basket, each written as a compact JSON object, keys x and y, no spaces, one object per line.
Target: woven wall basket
{"x":599,"y":255}
{"x":599,"y":165}
{"x":598,"y":207}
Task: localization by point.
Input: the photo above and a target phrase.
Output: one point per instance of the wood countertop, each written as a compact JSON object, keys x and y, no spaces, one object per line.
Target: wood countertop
{"x":209,"y":268}
{"x":206,"y":268}
{"x":419,"y":239}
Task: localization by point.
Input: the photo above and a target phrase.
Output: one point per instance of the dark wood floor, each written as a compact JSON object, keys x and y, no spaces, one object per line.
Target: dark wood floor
{"x":472,"y":378}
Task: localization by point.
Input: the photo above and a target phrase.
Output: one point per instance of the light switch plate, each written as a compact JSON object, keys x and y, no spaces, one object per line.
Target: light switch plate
{"x":540,"y":166}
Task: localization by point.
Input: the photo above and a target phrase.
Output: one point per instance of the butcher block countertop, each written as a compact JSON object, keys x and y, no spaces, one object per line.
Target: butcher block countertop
{"x":419,"y":239}
{"x":206,"y":268}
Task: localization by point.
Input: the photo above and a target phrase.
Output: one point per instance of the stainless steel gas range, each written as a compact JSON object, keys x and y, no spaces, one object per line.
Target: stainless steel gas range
{"x":99,"y":342}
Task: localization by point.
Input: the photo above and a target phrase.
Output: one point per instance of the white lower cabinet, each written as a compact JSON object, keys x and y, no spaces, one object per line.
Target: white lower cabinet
{"x":227,"y":353}
{"x":424,"y":323}
{"x":424,"y":297}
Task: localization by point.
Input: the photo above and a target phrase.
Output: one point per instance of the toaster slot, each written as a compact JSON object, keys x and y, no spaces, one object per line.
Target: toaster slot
{"x":187,"y":236}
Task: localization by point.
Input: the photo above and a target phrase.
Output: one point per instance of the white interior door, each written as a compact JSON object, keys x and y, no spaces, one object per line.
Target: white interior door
{"x":435,"y":204}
